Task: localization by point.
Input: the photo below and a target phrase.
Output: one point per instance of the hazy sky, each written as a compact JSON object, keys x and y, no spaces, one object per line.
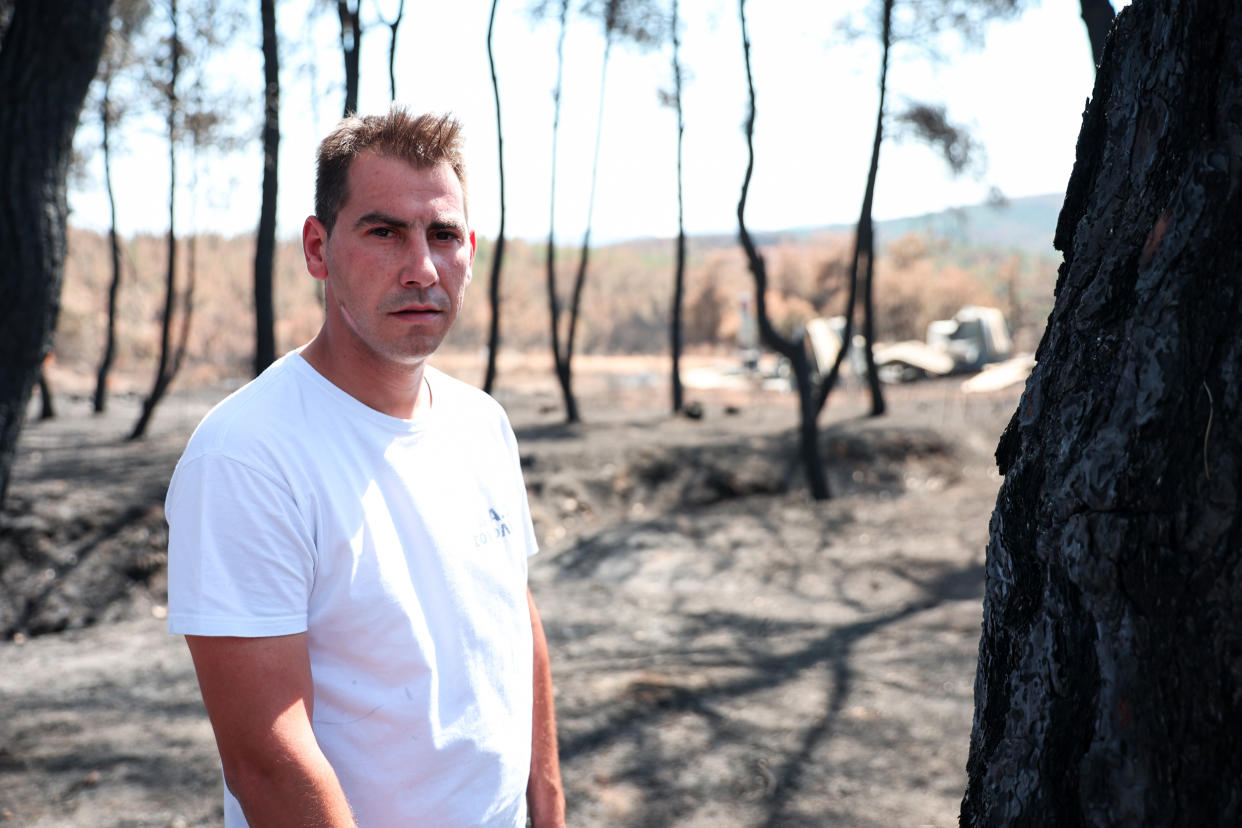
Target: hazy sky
{"x":1023,"y":94}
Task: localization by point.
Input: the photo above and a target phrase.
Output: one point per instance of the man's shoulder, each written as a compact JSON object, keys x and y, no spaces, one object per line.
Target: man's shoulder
{"x":252,"y":414}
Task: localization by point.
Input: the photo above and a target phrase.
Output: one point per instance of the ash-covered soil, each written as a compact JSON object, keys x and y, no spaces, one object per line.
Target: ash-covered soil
{"x":727,"y":651}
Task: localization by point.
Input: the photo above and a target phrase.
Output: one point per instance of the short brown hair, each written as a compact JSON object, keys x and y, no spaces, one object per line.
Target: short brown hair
{"x":420,"y":140}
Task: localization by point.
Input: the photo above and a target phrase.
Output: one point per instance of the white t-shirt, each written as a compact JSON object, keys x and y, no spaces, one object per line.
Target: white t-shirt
{"x":399,"y":547}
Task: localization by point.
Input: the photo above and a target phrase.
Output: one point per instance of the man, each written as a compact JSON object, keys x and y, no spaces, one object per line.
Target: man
{"x":348,"y":534}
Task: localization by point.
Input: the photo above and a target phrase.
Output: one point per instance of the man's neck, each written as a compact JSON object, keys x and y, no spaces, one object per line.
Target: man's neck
{"x":393,"y":389}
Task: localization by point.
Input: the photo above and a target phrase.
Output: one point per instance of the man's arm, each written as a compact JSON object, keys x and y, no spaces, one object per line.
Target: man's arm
{"x":259,"y":696}
{"x":544,"y":796}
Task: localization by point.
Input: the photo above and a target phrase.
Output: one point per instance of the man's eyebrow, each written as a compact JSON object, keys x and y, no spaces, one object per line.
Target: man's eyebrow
{"x":447,"y":223}
{"x":376,"y":217}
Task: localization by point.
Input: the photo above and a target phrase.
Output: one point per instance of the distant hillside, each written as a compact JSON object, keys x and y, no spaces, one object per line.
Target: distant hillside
{"x":1024,"y":225}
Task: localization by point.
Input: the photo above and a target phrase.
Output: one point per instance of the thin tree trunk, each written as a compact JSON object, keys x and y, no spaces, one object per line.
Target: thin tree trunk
{"x":864,"y":251}
{"x":829,"y":381}
{"x":265,"y":243}
{"x":161,"y":381}
{"x":817,"y":479}
{"x":105,"y":363}
{"x":351,"y":46}
{"x":1109,"y":686}
{"x":498,"y":252}
{"x":679,"y":277}
{"x":47,"y":405}
{"x":187,"y":306}
{"x":392,"y":49}
{"x":561,"y":366}
{"x":866,"y":227}
{"x":575,"y":305}
{"x":1098,"y":15}
{"x":49,"y":55}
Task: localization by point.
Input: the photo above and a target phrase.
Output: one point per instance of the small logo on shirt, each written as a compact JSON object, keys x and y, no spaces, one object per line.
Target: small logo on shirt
{"x":492,"y":528}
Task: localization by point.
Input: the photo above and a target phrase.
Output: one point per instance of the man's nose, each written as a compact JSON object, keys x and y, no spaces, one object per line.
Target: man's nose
{"x":418,"y":269}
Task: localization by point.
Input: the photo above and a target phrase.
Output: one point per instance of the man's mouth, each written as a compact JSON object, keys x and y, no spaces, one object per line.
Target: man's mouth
{"x":415,"y":311}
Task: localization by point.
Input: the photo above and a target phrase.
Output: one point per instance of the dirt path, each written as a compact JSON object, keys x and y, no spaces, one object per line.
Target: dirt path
{"x":727,"y":652}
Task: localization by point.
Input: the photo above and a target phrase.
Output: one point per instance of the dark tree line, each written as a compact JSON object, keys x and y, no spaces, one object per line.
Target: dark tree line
{"x":637,"y":21}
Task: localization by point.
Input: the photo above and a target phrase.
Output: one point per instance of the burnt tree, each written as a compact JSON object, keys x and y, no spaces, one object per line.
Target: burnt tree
{"x":393,"y":26}
{"x":498,"y":252}
{"x":562,"y":366}
{"x":791,"y":349}
{"x":119,"y":58}
{"x":1109,"y":687}
{"x":864,"y":244}
{"x":265,"y":243}
{"x":49,"y":55}
{"x":1097,"y":16}
{"x":350,"y":15}
{"x":636,"y":21}
{"x":172,"y":98}
{"x":679,"y":274}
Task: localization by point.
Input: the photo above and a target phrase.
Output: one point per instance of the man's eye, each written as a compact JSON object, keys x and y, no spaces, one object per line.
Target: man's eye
{"x":382,"y":232}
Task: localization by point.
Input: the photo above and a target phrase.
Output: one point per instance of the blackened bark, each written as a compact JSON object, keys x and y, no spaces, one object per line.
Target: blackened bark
{"x":114,"y":243}
{"x":1098,"y":15}
{"x":865,"y":243}
{"x":679,"y":277}
{"x":584,"y":254}
{"x":187,"y":306}
{"x":47,"y":404}
{"x":163,"y":376}
{"x":498,"y":252}
{"x":351,"y":46}
{"x":562,"y":366}
{"x":808,"y":430}
{"x":862,"y":261}
{"x":49,"y":54}
{"x":392,"y":48}
{"x":1109,"y":687}
{"x":265,"y":244}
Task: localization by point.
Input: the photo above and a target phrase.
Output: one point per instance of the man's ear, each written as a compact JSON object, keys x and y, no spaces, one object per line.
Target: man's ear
{"x":315,"y":247}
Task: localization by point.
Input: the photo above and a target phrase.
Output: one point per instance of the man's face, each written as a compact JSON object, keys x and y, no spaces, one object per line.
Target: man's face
{"x":396,"y":264}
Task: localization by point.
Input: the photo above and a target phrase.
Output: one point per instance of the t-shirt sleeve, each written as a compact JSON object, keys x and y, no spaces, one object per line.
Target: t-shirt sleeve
{"x":241,"y":556}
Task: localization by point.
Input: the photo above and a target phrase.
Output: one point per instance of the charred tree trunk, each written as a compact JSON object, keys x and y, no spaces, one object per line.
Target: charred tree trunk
{"x":1098,"y":15}
{"x":829,"y":381}
{"x":351,"y":45}
{"x":1109,"y":687}
{"x":679,"y":276}
{"x":49,"y":54}
{"x":865,"y":246}
{"x":584,"y":254}
{"x":265,"y":244}
{"x":562,"y":367}
{"x":812,"y":464}
{"x":162,"y":374}
{"x":498,"y":252}
{"x":47,"y":405}
{"x":392,"y":48}
{"x":862,"y":262}
{"x":187,"y":307}
{"x":114,"y":241}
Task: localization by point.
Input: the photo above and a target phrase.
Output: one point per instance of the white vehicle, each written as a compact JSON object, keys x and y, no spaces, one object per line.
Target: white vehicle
{"x":975,"y":336}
